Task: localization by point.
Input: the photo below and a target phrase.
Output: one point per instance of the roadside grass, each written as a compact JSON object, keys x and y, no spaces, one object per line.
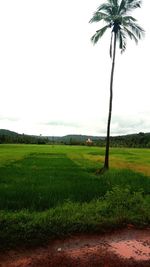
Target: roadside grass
{"x":118,"y":208}
{"x":52,"y":191}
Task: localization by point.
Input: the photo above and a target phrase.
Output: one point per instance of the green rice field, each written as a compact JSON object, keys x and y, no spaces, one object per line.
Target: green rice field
{"x":50,"y":190}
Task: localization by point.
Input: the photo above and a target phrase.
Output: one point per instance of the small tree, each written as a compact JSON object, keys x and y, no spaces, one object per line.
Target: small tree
{"x":116,"y":15}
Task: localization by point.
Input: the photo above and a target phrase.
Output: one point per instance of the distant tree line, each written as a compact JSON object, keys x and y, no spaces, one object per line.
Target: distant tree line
{"x":9,"y":137}
{"x":141,"y":140}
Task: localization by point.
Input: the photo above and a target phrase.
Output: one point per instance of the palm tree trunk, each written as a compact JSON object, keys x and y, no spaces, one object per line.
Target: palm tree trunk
{"x":106,"y":163}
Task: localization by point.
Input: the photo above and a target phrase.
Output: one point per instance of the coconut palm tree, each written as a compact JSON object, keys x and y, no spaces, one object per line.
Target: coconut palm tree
{"x":116,"y":15}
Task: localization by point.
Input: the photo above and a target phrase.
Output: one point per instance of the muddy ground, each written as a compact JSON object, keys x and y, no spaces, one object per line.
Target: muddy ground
{"x":125,"y":248}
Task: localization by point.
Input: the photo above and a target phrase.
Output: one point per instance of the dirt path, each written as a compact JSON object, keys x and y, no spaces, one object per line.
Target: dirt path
{"x":125,"y":248}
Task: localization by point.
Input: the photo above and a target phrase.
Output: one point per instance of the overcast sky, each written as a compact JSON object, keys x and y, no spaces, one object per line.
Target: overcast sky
{"x":53,"y":81}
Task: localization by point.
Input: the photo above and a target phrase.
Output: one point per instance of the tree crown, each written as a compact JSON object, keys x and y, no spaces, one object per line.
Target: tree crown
{"x":116,"y":15}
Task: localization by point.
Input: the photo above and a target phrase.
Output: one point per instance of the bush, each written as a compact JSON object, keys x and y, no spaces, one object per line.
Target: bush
{"x":128,"y":206}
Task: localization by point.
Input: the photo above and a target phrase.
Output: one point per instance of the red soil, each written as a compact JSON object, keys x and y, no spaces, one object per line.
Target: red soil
{"x":125,"y":248}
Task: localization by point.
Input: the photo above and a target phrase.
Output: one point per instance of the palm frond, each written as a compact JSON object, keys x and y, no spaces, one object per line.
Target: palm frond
{"x":98,"y":16}
{"x":137,"y":30}
{"x":129,"y":5}
{"x":128,"y":19}
{"x":113,"y":2}
{"x":110,"y":8}
{"x":115,"y":7}
{"x":106,"y":7}
{"x":130,"y":34}
{"x":99,"y":34}
{"x":135,"y":3}
{"x":122,"y":6}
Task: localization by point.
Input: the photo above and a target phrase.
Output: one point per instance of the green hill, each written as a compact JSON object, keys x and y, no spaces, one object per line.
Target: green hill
{"x":7,"y":132}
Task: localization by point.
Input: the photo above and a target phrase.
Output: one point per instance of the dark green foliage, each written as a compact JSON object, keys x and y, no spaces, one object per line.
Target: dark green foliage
{"x":132,"y":140}
{"x":9,"y":137}
{"x":141,"y":140}
{"x":128,"y":206}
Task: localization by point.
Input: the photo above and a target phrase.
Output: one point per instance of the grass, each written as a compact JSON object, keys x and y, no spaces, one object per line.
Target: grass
{"x":126,"y":158}
{"x":42,"y":181}
{"x":48,"y":191}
